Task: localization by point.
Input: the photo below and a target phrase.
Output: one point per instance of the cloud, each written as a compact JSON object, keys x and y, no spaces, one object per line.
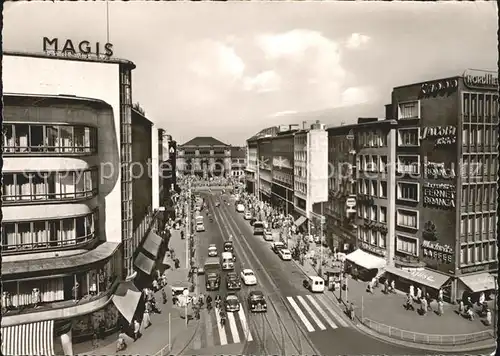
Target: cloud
{"x":217,"y":60}
{"x":263,"y":82}
{"x":283,"y":113}
{"x":356,"y":40}
{"x":355,"y":95}
{"x":308,"y":64}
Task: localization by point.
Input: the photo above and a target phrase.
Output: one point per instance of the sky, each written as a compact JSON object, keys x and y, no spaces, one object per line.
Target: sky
{"x":228,"y":70}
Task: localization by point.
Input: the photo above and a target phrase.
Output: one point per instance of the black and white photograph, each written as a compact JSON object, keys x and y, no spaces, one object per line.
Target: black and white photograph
{"x":249,"y":178}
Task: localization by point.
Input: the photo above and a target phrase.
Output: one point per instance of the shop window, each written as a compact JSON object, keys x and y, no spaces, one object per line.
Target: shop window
{"x":409,"y":110}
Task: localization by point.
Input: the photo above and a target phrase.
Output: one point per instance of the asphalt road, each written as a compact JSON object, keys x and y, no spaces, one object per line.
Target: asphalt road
{"x":284,"y":329}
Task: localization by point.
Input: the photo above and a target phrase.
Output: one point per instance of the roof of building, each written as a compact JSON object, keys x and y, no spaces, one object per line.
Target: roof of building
{"x":204,"y":141}
{"x":81,"y":58}
{"x":44,"y":100}
{"x":238,"y":152}
{"x":342,"y":129}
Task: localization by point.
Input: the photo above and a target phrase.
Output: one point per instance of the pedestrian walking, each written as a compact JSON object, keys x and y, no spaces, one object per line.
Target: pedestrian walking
{"x":423,"y":304}
{"x":409,"y":302}
{"x":461,"y":307}
{"x":146,"y":319}
{"x":481,"y":299}
{"x":487,"y":321}
{"x":440,"y":307}
{"x":386,"y":286}
{"x":393,"y":286}
{"x":419,"y":293}
{"x":429,"y":300}
{"x":412,"y":291}
{"x":137,"y":330}
{"x":440,"y":294}
{"x":164,"y":296}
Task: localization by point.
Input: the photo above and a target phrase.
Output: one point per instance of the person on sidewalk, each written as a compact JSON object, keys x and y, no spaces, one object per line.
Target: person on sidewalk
{"x":164,"y":296}
{"x":386,"y":286}
{"x":423,"y":304}
{"x":487,"y":321}
{"x":409,"y":302}
{"x":156,"y":286}
{"x":419,"y":295}
{"x":146,"y":319}
{"x":137,"y":330}
{"x":412,"y":292}
{"x":429,"y":300}
{"x":440,"y":307}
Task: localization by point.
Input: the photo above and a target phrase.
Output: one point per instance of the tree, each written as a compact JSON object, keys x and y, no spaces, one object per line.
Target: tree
{"x":139,"y":108}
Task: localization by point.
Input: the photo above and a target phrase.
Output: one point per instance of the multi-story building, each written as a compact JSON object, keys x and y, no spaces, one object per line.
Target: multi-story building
{"x":238,"y":162}
{"x":310,"y":175}
{"x":282,"y":170}
{"x":446,"y":204}
{"x":340,"y":210}
{"x":204,"y":157}
{"x":251,"y":165}
{"x":68,"y":236}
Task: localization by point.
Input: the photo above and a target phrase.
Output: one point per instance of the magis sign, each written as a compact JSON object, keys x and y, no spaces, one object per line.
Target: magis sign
{"x":83,"y":48}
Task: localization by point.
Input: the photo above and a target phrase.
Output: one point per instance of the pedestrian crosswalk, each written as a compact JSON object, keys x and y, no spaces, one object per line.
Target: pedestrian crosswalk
{"x":235,"y":330}
{"x":314,"y":311}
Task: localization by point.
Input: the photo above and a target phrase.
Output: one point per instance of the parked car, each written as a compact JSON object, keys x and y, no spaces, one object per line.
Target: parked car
{"x":277,"y":246}
{"x":212,"y":251}
{"x":285,"y":254}
{"x":268,"y":235}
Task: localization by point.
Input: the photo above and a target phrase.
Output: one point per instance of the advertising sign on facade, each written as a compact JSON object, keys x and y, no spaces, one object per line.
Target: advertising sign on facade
{"x":437,"y":170}
{"x":84,"y":49}
{"x":439,"y":86}
{"x":443,"y":253}
{"x":373,"y":249}
{"x":439,"y":195}
{"x":444,"y":135}
{"x":478,"y":79}
{"x":350,"y":202}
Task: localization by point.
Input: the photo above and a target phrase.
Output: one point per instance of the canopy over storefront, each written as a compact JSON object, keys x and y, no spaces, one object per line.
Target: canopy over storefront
{"x":424,"y":277}
{"x":29,"y":339}
{"x":126,"y":299}
{"x":152,"y":244}
{"x":479,"y":282}
{"x":365,"y":259}
{"x":300,"y":221}
{"x":144,"y":263}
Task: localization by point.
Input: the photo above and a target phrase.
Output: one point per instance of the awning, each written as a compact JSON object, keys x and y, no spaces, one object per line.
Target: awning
{"x":29,"y":339}
{"x":365,"y":259}
{"x":152,"y":244}
{"x":300,"y":221}
{"x":479,"y":282}
{"x":144,"y":263}
{"x":126,"y":299}
{"x":424,"y":277}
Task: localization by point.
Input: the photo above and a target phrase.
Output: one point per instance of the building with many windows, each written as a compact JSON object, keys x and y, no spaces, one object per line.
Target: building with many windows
{"x":447,"y":155}
{"x":70,"y":227}
{"x":251,"y":166}
{"x":204,"y":157}
{"x":282,"y":171}
{"x":238,"y":162}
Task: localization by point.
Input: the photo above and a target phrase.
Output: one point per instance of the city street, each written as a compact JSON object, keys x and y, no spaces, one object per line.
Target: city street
{"x":284,"y":329}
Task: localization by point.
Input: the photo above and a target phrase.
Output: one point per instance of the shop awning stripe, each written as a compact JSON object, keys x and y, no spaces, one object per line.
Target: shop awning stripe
{"x":33,"y":339}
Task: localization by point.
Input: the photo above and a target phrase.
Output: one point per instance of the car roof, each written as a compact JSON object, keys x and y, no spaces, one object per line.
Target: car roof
{"x":212,"y":247}
{"x":228,"y":243}
{"x":247,"y":270}
{"x":231,"y":296}
{"x":256,"y":293}
{"x":232,"y":274}
{"x":285,"y":250}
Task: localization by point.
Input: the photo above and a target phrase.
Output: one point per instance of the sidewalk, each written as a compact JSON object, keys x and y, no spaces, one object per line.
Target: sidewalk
{"x":389,"y":310}
{"x":155,"y":337}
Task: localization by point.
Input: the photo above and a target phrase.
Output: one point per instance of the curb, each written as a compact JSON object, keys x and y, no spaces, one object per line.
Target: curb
{"x":376,"y":335}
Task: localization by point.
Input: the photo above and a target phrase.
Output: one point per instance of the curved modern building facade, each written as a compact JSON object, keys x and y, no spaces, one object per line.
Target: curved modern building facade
{"x":67,"y":154}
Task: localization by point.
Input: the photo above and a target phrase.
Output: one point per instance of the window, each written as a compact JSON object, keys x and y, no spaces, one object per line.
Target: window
{"x":383,"y":214}
{"x":409,"y":164}
{"x":373,"y":213}
{"x":383,"y":164}
{"x":463,"y":261}
{"x":366,"y":212}
{"x":407,"y":218}
{"x":408,"y":191}
{"x":27,"y":138}
{"x":373,"y":187}
{"x":373,"y":237}
{"x":409,"y":137}
{"x":383,"y":189}
{"x":381,"y":239}
{"x":409,"y":110}
{"x":49,"y":186}
{"x":48,"y":234}
{"x":462,"y":225}
{"x":407,"y":245}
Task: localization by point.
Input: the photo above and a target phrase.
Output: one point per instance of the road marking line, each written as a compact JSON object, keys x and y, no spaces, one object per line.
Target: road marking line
{"x":301,"y":315}
{"x":337,"y":317}
{"x":222,"y":331}
{"x":311,"y":313}
{"x":320,"y":309}
{"x":234,"y":328}
{"x":209,"y":330}
{"x":244,"y":325}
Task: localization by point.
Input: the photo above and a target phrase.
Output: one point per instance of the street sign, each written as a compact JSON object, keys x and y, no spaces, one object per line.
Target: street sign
{"x":350,"y":202}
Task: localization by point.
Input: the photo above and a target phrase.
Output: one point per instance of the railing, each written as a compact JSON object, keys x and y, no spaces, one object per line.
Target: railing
{"x":429,"y":339}
{"x":164,"y":351}
{"x":48,"y":245}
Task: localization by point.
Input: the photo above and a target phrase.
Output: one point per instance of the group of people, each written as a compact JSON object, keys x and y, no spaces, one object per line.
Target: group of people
{"x":466,"y":308}
{"x":424,"y":301}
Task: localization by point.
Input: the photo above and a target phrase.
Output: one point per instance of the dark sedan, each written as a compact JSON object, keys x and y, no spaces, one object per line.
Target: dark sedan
{"x":232,"y":281}
{"x":257,"y":302}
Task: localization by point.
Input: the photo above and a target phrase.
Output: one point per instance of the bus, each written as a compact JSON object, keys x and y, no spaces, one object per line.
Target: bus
{"x":258,"y":228}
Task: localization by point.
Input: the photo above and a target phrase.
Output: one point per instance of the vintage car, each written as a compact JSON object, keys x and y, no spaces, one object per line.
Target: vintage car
{"x":257,"y":302}
{"x":277,"y":246}
{"x":232,"y":303}
{"x":212,"y":251}
{"x":212,"y":281}
{"x":248,"y":277}
{"x":228,"y":246}
{"x":285,"y":254}
{"x":232,"y":281}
